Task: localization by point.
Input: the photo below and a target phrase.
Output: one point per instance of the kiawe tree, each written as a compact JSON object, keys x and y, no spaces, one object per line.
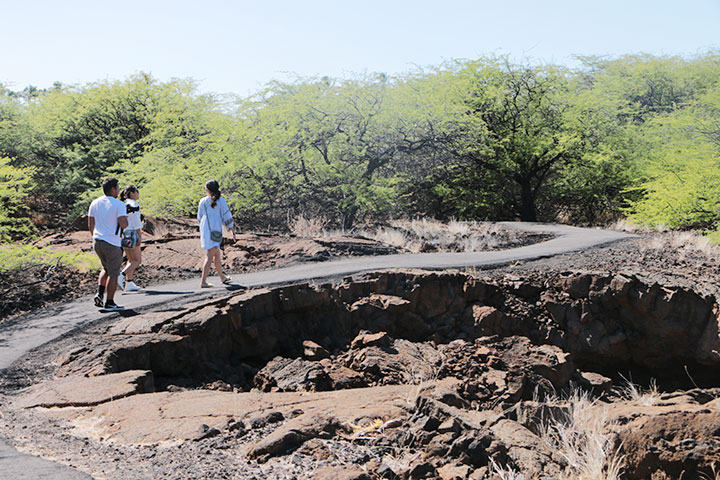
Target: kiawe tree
{"x":328,"y":148}
{"x":512,"y":138}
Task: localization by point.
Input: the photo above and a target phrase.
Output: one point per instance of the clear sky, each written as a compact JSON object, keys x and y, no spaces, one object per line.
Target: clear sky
{"x":237,"y":46}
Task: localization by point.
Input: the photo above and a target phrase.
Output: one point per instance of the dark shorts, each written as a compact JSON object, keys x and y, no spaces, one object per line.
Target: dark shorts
{"x":110,"y":256}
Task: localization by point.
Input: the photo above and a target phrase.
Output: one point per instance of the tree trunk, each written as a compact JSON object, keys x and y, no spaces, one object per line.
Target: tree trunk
{"x":349,"y":218}
{"x":527,"y":203}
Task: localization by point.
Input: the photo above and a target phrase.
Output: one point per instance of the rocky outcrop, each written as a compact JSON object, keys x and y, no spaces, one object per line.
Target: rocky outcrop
{"x":87,"y":391}
{"x":620,"y":319}
{"x":602,"y":320}
{"x":453,"y":368}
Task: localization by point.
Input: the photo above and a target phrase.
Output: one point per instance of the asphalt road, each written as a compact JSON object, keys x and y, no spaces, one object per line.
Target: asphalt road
{"x":31,"y":331}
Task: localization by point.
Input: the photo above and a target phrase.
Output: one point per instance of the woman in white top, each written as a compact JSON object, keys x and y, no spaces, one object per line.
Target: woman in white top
{"x":130,"y":196}
{"x":213,"y":213}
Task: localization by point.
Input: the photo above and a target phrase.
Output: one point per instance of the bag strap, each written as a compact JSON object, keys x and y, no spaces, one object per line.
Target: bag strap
{"x":207,"y":218}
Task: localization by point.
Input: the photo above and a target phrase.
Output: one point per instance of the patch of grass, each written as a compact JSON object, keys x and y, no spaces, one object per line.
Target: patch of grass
{"x":431,"y":235}
{"x":388,"y":236}
{"x":20,"y":257}
{"x":582,"y":438}
{"x":713,"y":237}
{"x":307,"y":227}
{"x":646,"y":397}
{"x":505,"y":473}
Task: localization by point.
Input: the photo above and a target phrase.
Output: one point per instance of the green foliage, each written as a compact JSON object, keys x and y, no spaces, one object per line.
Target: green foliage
{"x":323,"y":148}
{"x":511,"y":138}
{"x":189,"y":142}
{"x":18,"y":257}
{"x":15,"y":185}
{"x":471,"y":139}
{"x":682,"y":176}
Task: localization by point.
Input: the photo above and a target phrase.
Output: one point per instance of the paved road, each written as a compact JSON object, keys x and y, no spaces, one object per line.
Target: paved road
{"x":31,"y":331}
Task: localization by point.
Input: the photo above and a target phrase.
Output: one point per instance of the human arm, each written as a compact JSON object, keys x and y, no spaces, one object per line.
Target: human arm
{"x":228,"y":219}
{"x":91,"y":225}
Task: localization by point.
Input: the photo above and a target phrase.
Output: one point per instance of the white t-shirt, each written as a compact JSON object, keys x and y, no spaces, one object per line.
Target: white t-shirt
{"x":134,"y":222}
{"x":106,"y":210}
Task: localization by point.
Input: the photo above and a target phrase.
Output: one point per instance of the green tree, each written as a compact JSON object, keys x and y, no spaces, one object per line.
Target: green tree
{"x":328,"y":147}
{"x":15,"y":186}
{"x":512,"y":138}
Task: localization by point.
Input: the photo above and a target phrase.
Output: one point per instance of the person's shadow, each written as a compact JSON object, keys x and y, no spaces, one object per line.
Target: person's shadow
{"x":166,"y":292}
{"x":232,"y":287}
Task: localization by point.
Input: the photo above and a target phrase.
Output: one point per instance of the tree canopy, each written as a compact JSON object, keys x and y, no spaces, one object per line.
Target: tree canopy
{"x":473,"y":139}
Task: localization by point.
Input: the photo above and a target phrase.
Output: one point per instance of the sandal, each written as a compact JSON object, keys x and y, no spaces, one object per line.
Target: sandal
{"x":207,"y":285}
{"x":227,"y":280}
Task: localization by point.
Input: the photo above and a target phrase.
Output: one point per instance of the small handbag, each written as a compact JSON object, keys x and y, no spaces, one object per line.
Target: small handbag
{"x":215,"y":236}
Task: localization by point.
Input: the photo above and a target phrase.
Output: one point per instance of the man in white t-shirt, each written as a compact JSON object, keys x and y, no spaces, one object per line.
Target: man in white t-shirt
{"x":107,"y":217}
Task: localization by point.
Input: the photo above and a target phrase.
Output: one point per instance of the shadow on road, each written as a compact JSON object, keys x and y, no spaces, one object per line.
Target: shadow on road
{"x":166,"y":292}
{"x":127,"y":312}
{"x":235,"y":288}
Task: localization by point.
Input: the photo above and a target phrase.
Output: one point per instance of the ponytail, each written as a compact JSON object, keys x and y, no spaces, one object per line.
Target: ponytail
{"x":128,"y":190}
{"x":214,"y":188}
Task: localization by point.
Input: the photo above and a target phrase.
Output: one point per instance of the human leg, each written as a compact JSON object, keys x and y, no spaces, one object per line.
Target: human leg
{"x":206,"y":267}
{"x":102,"y":276}
{"x":217,"y":258}
{"x":111,"y":258}
{"x":134,"y":260}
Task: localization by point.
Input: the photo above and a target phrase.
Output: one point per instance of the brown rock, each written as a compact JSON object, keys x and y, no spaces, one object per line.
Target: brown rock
{"x":313,"y":351}
{"x":87,"y":391}
{"x":453,"y":472}
{"x":530,"y":454}
{"x":292,"y":375}
{"x":343,"y":377}
{"x":680,"y":441}
{"x":292,"y":434}
{"x":599,"y":384}
{"x":380,"y":339}
{"x":405,"y":362}
{"x":485,"y":321}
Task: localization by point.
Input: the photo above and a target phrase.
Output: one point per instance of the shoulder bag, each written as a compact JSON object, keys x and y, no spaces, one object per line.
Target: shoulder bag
{"x":215,"y":236}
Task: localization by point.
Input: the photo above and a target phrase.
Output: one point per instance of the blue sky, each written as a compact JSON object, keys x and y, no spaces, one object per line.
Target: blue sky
{"x":237,"y":46}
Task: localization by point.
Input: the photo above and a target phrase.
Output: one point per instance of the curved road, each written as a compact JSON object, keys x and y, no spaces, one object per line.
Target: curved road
{"x":23,"y":334}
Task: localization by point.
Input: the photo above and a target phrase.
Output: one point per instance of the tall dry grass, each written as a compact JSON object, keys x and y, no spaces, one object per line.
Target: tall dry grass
{"x":583,"y":439}
{"x":635,"y":393}
{"x":455,"y":236}
{"x":303,"y":226}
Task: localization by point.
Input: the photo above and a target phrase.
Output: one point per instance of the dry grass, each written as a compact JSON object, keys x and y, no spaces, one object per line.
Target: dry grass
{"x":505,"y":473}
{"x":684,"y":242}
{"x":388,"y":236}
{"x":635,"y":393}
{"x":582,"y":438}
{"x":307,"y":227}
{"x":626,"y":225}
{"x":420,"y":234}
{"x":713,"y":475}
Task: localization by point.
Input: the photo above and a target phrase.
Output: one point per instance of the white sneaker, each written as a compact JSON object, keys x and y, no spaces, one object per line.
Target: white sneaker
{"x":121,"y":282}
{"x":131,"y":287}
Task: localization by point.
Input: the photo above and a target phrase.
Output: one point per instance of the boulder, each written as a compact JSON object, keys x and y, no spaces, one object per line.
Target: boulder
{"x":292,"y":375}
{"x":313,"y":351}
